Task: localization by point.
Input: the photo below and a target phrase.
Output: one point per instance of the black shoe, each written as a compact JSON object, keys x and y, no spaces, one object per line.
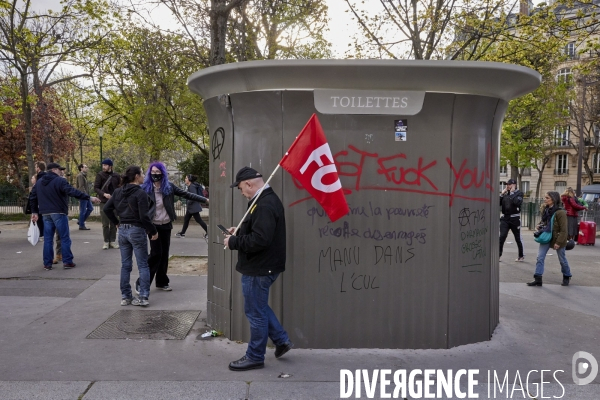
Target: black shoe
{"x":536,"y":282}
{"x":284,"y":348}
{"x":84,"y":228}
{"x":243,"y":364}
{"x":565,"y":281}
{"x":69,"y":265}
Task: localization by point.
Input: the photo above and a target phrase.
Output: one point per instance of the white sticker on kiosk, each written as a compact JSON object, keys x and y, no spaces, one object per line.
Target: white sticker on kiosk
{"x":400,"y":130}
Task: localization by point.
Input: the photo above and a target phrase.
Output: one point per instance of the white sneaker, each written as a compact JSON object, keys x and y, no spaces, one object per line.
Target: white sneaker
{"x":105,"y":247}
{"x":113,"y":245}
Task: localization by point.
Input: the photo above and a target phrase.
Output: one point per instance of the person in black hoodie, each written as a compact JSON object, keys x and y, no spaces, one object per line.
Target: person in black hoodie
{"x":162,"y":192}
{"x":510,"y":200}
{"x":260,"y":243}
{"x":132,"y":205}
{"x":107,"y":181}
{"x":193,"y":208}
{"x":50,"y":197}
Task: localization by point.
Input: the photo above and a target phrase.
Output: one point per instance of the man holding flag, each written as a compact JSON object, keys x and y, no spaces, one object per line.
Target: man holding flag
{"x":260,"y":236}
{"x":260,"y":242}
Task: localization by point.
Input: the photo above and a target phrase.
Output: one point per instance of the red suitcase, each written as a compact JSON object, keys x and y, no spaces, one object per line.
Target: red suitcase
{"x":587,"y":233}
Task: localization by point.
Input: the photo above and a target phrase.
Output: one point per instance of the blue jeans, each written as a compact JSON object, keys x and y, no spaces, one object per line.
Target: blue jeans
{"x":85,"y":209}
{"x":263,"y":322}
{"x":562,"y":258}
{"x":59,"y":223}
{"x":133,"y":240}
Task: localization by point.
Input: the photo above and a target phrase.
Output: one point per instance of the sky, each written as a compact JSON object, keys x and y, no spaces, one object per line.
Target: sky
{"x":341,"y":27}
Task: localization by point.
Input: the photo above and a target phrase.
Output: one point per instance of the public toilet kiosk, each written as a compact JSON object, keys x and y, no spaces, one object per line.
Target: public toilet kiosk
{"x":414,"y":264}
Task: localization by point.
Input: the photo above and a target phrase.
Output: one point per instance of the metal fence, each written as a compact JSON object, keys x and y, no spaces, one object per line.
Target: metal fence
{"x":531,"y":217}
{"x":14,"y":205}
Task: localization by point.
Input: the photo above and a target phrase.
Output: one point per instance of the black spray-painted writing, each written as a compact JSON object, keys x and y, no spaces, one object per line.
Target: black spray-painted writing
{"x":346,"y":231}
{"x":371,"y":210}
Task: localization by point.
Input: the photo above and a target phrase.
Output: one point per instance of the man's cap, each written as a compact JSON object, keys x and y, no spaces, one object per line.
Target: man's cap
{"x":511,"y":182}
{"x":54,"y":165}
{"x":107,"y":161}
{"x":244,"y":174}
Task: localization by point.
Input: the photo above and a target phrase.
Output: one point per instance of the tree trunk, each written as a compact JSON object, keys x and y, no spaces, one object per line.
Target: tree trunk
{"x":219,"y":14}
{"x":26,"y":109}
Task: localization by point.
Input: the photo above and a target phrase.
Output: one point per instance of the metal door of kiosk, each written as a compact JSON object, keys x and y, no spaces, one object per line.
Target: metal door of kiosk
{"x":416,"y":144}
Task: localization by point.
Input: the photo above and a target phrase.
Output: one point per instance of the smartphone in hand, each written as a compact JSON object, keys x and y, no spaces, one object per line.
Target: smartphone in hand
{"x":222,"y":228}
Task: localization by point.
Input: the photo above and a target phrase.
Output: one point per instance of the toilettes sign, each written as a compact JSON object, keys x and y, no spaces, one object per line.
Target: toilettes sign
{"x":344,"y":101}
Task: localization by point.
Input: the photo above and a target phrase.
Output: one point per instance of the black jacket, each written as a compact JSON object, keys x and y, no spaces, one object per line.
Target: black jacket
{"x":511,"y":203}
{"x":110,"y":187}
{"x":194,"y":206}
{"x":51,"y":193}
{"x":169,"y":201}
{"x":260,"y":240}
{"x":132,"y":205}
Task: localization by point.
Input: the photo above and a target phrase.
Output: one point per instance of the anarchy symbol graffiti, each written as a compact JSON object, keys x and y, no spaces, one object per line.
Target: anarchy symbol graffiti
{"x":218,"y":140}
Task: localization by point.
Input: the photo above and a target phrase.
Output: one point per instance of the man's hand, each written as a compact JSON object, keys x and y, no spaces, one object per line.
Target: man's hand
{"x":226,"y":241}
{"x":34,"y":217}
{"x":106,"y":195}
{"x":95,"y":199}
{"x":231,"y":230}
{"x":154,"y":237}
{"x":556,"y":247}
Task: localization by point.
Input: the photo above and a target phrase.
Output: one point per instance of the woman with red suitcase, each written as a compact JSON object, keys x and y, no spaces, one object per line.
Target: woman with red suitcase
{"x":572,"y":208}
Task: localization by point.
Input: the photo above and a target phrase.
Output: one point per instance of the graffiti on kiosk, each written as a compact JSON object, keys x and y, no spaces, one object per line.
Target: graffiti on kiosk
{"x":411,"y":174}
{"x":346,"y":260}
{"x":473,"y":237}
{"x":371,"y":210}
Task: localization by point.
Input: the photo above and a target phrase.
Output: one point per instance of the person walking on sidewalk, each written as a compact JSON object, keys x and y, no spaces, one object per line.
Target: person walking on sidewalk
{"x":260,"y":243}
{"x":105,"y":184}
{"x":85,"y":206}
{"x":193,"y":208}
{"x":551,"y":207}
{"x":511,"y":199}
{"x":132,"y":205}
{"x":50,"y":197}
{"x":572,"y":208}
{"x":162,"y":192}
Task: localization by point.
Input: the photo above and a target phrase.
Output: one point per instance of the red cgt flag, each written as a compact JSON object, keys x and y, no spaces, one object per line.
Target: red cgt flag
{"x":309,"y":160}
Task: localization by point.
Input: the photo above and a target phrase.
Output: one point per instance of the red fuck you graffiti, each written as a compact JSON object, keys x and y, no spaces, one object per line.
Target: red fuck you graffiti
{"x":410,"y":174}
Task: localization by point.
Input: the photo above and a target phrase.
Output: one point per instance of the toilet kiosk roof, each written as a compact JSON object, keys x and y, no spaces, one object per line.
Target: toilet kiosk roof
{"x":499,"y":80}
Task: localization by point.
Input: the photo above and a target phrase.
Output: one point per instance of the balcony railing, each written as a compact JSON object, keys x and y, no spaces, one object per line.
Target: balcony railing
{"x":561,"y":171}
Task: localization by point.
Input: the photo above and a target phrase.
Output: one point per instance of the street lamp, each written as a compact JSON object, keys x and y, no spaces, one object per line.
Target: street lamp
{"x":101,"y":133}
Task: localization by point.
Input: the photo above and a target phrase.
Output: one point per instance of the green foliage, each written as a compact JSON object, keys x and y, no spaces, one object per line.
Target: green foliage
{"x":197,"y":165}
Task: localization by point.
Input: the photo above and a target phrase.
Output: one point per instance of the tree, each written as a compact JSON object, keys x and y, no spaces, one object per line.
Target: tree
{"x":270,"y":29}
{"x":140,"y":78}
{"x":197,"y":165}
{"x":35,"y":46}
{"x":13,"y":147}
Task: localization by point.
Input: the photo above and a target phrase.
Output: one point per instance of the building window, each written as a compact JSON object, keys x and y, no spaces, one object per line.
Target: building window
{"x":596,"y":164}
{"x":564,"y":75}
{"x":570,"y":50}
{"x":525,"y":187}
{"x":560,"y":186}
{"x":502,"y":186}
{"x":526,"y":171}
{"x":503,"y":170}
{"x":562,"y":166}
{"x":562,"y":134}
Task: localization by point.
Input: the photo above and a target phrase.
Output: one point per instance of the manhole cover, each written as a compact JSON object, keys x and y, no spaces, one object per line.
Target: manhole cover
{"x":146,"y":324}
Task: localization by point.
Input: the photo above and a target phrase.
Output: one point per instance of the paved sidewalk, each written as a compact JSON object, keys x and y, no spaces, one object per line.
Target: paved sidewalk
{"x":47,"y":315}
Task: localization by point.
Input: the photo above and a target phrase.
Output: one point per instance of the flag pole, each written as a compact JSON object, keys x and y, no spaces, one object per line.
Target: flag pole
{"x":273,"y":174}
{"x":253,"y":202}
